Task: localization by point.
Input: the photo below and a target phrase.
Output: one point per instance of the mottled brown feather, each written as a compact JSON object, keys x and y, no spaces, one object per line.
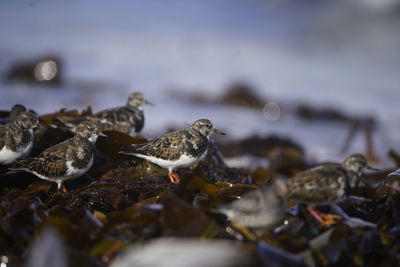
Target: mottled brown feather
{"x":122,"y":119}
{"x":319,"y":185}
{"x":131,"y":117}
{"x":51,"y":162}
{"x":170,"y":146}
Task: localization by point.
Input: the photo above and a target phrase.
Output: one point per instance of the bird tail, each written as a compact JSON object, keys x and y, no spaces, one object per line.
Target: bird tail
{"x":17,"y":168}
{"x":66,"y":123}
{"x":21,"y":165}
{"x":129,"y":150}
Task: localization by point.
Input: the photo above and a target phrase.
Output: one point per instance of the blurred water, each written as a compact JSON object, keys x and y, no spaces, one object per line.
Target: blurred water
{"x":339,"y":54}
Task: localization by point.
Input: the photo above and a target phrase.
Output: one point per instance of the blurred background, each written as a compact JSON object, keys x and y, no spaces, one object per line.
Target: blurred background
{"x":317,"y":72}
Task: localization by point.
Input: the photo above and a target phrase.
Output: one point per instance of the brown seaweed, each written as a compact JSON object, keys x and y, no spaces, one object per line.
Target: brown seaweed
{"x":124,"y":201}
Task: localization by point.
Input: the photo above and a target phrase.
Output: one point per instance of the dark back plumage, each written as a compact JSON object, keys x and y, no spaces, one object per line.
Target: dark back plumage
{"x":323,"y":184}
{"x":327,"y":183}
{"x":122,"y":119}
{"x":172,"y":145}
{"x":192,"y":141}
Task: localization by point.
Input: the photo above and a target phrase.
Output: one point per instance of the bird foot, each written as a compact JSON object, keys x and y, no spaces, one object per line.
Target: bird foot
{"x":324,"y":219}
{"x":63,"y":189}
{"x":246,"y":232}
{"x":173,"y":178}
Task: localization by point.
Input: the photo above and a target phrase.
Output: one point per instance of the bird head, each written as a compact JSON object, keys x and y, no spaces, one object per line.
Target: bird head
{"x":137,"y":100}
{"x":205,"y":127}
{"x":88,"y":130}
{"x":27,"y":120}
{"x":357,"y":163}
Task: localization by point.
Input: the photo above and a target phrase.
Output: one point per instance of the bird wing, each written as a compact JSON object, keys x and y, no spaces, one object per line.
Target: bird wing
{"x":318,"y":185}
{"x":121,"y":115}
{"x":51,"y":162}
{"x":107,"y":113}
{"x":165,"y":147}
{"x":118,"y":114}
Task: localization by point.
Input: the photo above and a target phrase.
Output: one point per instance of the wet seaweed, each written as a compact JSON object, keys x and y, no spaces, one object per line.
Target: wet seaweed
{"x":124,"y":201}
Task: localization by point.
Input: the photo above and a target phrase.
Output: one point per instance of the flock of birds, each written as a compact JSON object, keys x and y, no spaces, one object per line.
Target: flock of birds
{"x":325,"y":184}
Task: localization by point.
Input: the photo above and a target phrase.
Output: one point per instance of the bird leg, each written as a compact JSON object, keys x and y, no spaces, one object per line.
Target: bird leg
{"x":244,"y":231}
{"x":173,"y":177}
{"x":61,"y":187}
{"x":324,"y":219}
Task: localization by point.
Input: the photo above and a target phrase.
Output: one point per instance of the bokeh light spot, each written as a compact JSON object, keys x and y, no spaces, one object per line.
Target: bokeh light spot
{"x":271,"y":111}
{"x":45,"y":70}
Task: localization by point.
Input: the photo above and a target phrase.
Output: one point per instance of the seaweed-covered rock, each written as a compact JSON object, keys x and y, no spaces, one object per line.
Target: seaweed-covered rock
{"x":127,"y":205}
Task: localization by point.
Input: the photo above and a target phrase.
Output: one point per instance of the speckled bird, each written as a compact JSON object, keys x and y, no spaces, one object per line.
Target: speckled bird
{"x":258,"y":209}
{"x":17,"y":137}
{"x":67,"y":160}
{"x":124,"y":119}
{"x":177,"y":149}
{"x":327,"y":183}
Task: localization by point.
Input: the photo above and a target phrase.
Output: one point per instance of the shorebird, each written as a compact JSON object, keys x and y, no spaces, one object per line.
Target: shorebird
{"x":258,"y":209}
{"x":177,"y":149}
{"x":67,"y":160}
{"x":123,"y":119}
{"x":327,"y":184}
{"x":17,"y":137}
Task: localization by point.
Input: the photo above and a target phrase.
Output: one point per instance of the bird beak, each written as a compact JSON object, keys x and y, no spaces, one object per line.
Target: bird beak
{"x":147,"y":102}
{"x":102,"y":134}
{"x":368,"y":167}
{"x":395,"y":173}
{"x":216,"y":131}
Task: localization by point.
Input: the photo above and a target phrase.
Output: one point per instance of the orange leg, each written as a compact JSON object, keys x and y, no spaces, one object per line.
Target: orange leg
{"x":322,"y":218}
{"x":173,"y":178}
{"x":244,"y":230}
{"x":63,"y":188}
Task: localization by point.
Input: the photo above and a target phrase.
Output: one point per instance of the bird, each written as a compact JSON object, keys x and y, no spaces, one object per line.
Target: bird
{"x":123,"y":119}
{"x":327,"y":184}
{"x":17,"y":138}
{"x":181,"y":148}
{"x":258,"y":209}
{"x":67,"y":160}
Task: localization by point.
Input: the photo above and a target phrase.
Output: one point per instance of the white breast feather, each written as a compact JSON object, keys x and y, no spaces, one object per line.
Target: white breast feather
{"x":183,"y":161}
{"x":73,"y":172}
{"x":7,"y":156}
